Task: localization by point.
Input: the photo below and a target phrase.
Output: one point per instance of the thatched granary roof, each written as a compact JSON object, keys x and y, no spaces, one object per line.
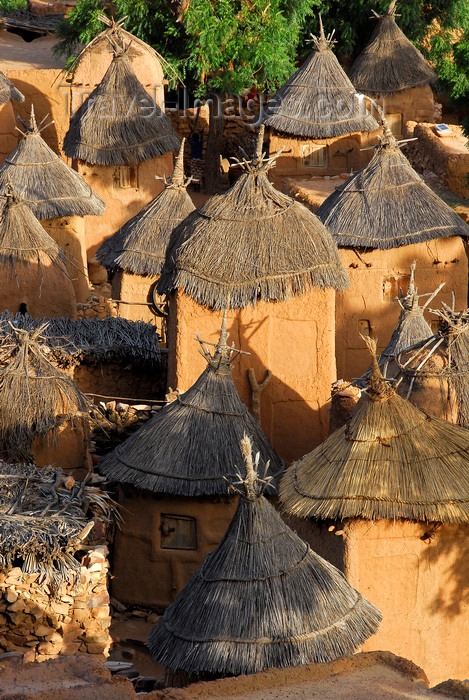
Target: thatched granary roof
{"x":191,"y":447}
{"x":47,"y":185}
{"x":386,"y":204}
{"x":45,"y":519}
{"x":8,"y":91}
{"x":35,"y":397}
{"x":390,"y":460}
{"x":119,"y":123}
{"x":251,"y":243}
{"x":390,"y":62}
{"x":319,"y":101}
{"x":297,"y":607}
{"x":140,"y":245}
{"x":22,"y":238}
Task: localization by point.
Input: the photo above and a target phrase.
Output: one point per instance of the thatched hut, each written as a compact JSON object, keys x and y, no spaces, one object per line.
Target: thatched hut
{"x":137,"y":251}
{"x":8,"y":93}
{"x":382,"y":219}
{"x":408,"y":473}
{"x":34,"y":269}
{"x":57,"y":195}
{"x":269,"y":261}
{"x":119,"y":136}
{"x":43,"y":415}
{"x":180,"y":465}
{"x":317,"y":118}
{"x":393,"y":71}
{"x":298,"y":608}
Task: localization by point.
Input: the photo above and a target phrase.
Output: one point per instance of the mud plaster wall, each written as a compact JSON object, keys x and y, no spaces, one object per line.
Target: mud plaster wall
{"x":69,"y":233}
{"x":137,"y":290}
{"x":8,"y":138}
{"x":416,"y":104}
{"x":68,"y":450}
{"x":420,"y":586}
{"x":143,"y":572}
{"x":294,"y":339}
{"x":366,"y":306}
{"x":43,"y":626}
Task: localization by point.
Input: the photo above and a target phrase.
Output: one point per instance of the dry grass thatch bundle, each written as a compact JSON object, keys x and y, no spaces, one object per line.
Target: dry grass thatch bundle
{"x":251,"y":243}
{"x":23,"y":239}
{"x":47,"y":185}
{"x":386,"y":204}
{"x":35,"y":397}
{"x":390,"y":62}
{"x":140,"y":245}
{"x":297,"y":608}
{"x":119,"y":123}
{"x":45,"y":520}
{"x":8,"y":91}
{"x":319,"y":101}
{"x":191,"y":447}
{"x":88,"y":340}
{"x":390,"y":460}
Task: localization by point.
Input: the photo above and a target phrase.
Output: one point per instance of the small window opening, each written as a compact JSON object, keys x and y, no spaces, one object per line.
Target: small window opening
{"x":178,"y":532}
{"x":315,"y":156}
{"x":128,"y":177}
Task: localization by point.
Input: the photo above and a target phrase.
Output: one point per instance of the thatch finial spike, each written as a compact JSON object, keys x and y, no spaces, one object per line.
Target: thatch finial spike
{"x":391,"y":11}
{"x":251,"y":475}
{"x":177,"y":177}
{"x":379,"y":388}
{"x":260,"y":143}
{"x":32,"y":120}
{"x":411,"y":288}
{"x":322,"y":36}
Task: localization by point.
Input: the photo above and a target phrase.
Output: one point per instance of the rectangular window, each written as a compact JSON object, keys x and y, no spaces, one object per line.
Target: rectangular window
{"x":395,"y":123}
{"x":394,"y":286}
{"x":315,"y":156}
{"x":128,"y":177}
{"x":178,"y":532}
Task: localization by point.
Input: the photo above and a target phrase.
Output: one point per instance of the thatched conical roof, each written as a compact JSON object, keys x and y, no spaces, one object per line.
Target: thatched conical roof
{"x":390,"y":460}
{"x":119,"y":123}
{"x":390,"y":62}
{"x":35,"y":397}
{"x":386,"y":204}
{"x":296,"y":607}
{"x":8,"y":91}
{"x":192,"y":446}
{"x":140,"y":245}
{"x":319,"y":101}
{"x":251,"y":243}
{"x":47,"y":185}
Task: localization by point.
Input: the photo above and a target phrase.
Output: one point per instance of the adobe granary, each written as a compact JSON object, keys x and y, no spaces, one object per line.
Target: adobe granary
{"x":393,"y":479}
{"x":297,"y":608}
{"x":8,"y":93}
{"x":43,"y":414}
{"x":392,"y":70}
{"x":180,"y":464}
{"x":35,"y":272}
{"x":57,"y":195}
{"x":117,"y":104}
{"x":270,"y":262}
{"x":317,"y":118}
{"x":135,"y":254}
{"x":383,"y":218}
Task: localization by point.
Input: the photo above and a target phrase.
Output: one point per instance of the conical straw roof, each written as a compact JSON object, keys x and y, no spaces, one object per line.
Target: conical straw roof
{"x":35,"y":397}
{"x":119,"y":123}
{"x":140,"y":245}
{"x":386,"y":204}
{"x":261,"y":599}
{"x":192,"y":446}
{"x":47,"y":185}
{"x":251,"y":243}
{"x":8,"y":91}
{"x":390,"y":62}
{"x":390,"y":460}
{"x":319,"y":101}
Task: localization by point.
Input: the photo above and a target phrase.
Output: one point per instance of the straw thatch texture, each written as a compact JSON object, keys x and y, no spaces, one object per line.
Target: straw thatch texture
{"x":140,"y":245}
{"x":296,"y":607}
{"x":47,"y":185}
{"x":8,"y":91}
{"x":386,"y":204}
{"x":390,"y":62}
{"x":89,"y":340}
{"x":35,"y":397}
{"x":251,"y":243}
{"x":119,"y":123}
{"x":318,"y":101}
{"x":192,"y":446}
{"x":390,"y":461}
{"x":45,"y":520}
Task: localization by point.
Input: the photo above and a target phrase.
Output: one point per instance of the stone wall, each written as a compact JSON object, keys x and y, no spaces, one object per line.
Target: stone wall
{"x":42,"y":625}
